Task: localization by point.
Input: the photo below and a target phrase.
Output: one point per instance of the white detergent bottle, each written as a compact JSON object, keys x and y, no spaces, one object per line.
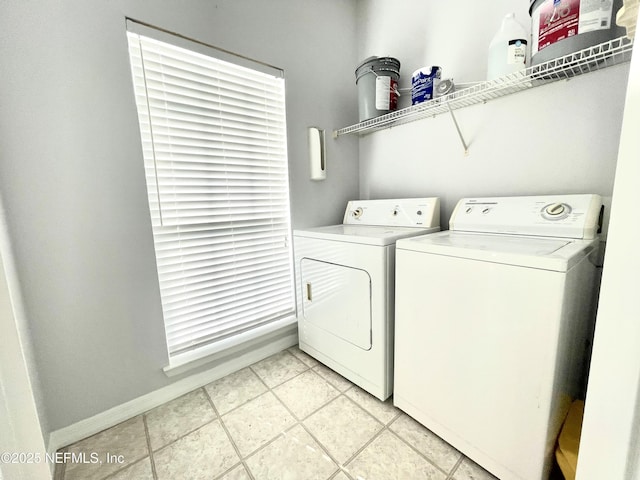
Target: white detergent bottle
{"x":508,"y":49}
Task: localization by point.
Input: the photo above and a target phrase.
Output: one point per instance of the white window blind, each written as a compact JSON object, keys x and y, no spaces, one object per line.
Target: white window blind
{"x":214,"y":144}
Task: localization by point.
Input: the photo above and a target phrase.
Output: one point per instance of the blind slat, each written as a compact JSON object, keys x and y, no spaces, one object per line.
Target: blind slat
{"x":202,"y":289}
{"x":257,"y":317}
{"x":225,"y":300}
{"x":204,"y":275}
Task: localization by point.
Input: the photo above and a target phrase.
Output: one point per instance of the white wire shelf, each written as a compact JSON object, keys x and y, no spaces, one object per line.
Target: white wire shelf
{"x":590,"y":59}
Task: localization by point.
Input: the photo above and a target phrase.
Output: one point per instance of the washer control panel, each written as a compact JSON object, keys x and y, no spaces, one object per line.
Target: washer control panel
{"x":567,"y":216}
{"x":399,"y":212}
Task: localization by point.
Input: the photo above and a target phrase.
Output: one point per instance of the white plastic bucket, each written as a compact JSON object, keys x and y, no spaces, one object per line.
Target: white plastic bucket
{"x":563,"y":27}
{"x":377,"y":81}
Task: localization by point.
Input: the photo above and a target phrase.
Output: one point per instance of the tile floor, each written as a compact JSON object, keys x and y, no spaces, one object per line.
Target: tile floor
{"x":285,"y":417}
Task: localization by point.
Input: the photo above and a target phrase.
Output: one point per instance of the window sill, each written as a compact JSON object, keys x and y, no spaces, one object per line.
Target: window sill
{"x":184,"y":362}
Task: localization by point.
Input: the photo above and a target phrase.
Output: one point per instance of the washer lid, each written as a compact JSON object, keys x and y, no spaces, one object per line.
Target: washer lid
{"x":558,"y":254}
{"x":363,"y":234}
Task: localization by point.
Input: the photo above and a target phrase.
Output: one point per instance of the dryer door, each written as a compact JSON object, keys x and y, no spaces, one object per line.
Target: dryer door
{"x":337,"y":298}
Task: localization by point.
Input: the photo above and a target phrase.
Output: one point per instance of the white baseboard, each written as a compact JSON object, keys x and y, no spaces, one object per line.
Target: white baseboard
{"x":109,"y":418}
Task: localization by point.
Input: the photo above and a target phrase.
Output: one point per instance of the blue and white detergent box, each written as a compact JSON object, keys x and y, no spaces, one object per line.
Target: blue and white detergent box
{"x":423,"y":82}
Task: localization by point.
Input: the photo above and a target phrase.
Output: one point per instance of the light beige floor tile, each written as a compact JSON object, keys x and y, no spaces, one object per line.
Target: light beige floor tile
{"x":293,"y":455}
{"x":202,"y":454}
{"x":238,"y":473}
{"x":234,"y":390}
{"x":469,"y":470}
{"x":383,"y":411}
{"x":389,"y":458}
{"x":426,"y":442}
{"x":341,"y":476}
{"x":305,"y":393}
{"x":278,"y":368}
{"x":137,"y":471}
{"x":305,"y":358}
{"x":342,"y":427}
{"x":333,"y":378}
{"x":127,"y":439}
{"x":257,"y":422}
{"x":178,"y":417}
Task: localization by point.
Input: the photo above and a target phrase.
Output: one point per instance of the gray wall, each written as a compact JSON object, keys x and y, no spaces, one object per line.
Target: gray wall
{"x":557,"y":138}
{"x":72,"y":180}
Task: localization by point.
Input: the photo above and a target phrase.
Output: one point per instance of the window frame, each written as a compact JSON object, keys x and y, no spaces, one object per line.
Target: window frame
{"x":178,"y":362}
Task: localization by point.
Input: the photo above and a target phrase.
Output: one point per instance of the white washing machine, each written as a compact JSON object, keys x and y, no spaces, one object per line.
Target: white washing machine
{"x":494,"y":320}
{"x":345,"y":286}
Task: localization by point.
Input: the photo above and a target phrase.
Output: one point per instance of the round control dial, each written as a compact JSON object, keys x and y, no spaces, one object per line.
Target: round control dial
{"x":357,"y":213}
{"x":556,"y":211}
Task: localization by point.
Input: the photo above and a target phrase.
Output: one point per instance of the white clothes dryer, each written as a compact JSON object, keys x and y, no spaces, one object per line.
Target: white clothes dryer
{"x":345,"y":286}
{"x":494,"y":320}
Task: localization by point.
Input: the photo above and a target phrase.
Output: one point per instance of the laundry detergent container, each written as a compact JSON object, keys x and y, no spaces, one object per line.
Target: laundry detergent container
{"x":377,"y":80}
{"x":565,"y":27}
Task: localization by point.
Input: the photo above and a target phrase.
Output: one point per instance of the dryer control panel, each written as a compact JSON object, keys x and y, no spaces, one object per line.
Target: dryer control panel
{"x":566,"y":216}
{"x":400,"y":212}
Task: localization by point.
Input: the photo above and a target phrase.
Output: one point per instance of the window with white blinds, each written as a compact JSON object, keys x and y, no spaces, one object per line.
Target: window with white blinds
{"x":214,"y":143}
